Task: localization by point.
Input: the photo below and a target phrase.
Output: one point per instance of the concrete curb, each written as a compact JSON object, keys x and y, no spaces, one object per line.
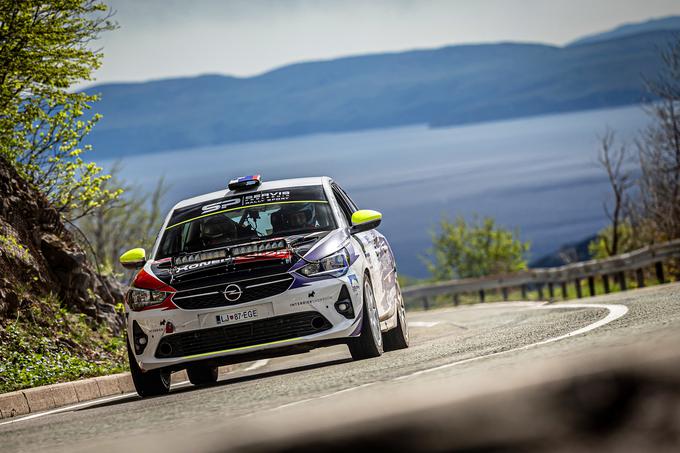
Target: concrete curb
{"x":38,"y":399}
{"x":47,"y":397}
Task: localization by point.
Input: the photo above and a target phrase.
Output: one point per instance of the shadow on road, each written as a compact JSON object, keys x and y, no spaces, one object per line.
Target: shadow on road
{"x":225,"y":382}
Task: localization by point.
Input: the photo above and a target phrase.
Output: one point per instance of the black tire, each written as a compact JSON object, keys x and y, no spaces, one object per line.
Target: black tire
{"x":369,"y":344}
{"x":148,"y":383}
{"x":202,"y":375}
{"x":398,"y":337}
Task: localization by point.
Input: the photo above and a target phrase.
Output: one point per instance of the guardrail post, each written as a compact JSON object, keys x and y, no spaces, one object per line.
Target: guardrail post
{"x":605,"y":282}
{"x":591,"y":285}
{"x":622,"y":281}
{"x":540,"y":291}
{"x":565,"y":295}
{"x":658,"y":267}
{"x":551,"y":290}
{"x":640,"y":277}
{"x":577,"y":284}
{"x":426,"y":303}
{"x":524,"y":292}
{"x":481,"y":295}
{"x":456,"y":300}
{"x":504,"y":290}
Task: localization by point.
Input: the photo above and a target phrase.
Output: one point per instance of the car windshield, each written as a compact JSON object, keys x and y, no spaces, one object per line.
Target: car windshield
{"x":293,"y":212}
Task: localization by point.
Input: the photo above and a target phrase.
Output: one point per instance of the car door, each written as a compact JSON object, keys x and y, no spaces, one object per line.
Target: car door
{"x":377,"y":253}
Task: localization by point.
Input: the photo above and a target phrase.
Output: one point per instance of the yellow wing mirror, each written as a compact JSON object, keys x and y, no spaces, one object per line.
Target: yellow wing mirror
{"x":133,"y":259}
{"x":364,"y":220}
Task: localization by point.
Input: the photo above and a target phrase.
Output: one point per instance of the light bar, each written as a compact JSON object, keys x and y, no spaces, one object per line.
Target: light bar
{"x":245,"y":182}
{"x":259,"y":247}
{"x":245,"y":249}
{"x":201,"y":256}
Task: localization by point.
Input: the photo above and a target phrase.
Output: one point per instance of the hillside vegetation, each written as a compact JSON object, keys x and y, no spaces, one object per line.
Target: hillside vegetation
{"x":59,"y":318}
{"x":57,"y":315}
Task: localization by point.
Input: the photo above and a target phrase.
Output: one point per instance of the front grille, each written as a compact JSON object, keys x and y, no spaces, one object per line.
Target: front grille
{"x":251,"y":289}
{"x":240,"y":335}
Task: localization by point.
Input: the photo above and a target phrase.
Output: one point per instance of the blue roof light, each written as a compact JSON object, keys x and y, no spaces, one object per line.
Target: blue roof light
{"x":245,"y":182}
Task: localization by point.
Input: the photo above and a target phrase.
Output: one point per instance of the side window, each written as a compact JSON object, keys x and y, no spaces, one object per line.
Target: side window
{"x":342,"y":202}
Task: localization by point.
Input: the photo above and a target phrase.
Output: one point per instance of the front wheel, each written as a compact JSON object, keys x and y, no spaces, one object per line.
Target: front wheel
{"x":398,"y":338}
{"x":148,"y":383}
{"x":370,"y":343}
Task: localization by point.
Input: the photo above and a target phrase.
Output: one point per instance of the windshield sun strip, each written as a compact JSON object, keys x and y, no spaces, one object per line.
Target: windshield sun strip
{"x":242,"y":207}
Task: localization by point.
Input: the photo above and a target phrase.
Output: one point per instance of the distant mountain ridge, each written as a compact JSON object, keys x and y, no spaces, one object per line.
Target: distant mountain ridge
{"x":671,"y":23}
{"x":439,"y":87}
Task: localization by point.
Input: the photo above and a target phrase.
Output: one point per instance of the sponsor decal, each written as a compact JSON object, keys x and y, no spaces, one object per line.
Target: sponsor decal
{"x":220,"y":205}
{"x":300,"y":303}
{"x":354,"y":281}
{"x":266,"y":197}
{"x":306,"y":194}
{"x":312,"y":294}
{"x":247,"y":200}
{"x":190,"y":267}
{"x":261,"y":256}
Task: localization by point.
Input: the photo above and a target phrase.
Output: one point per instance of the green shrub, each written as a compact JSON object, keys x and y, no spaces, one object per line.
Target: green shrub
{"x":462,"y":249}
{"x":49,"y":344}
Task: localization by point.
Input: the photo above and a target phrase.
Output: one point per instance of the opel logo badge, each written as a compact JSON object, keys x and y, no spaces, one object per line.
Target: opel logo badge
{"x":232,"y":292}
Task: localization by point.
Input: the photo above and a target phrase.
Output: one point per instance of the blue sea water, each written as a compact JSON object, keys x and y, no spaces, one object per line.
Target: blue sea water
{"x":539,"y":175}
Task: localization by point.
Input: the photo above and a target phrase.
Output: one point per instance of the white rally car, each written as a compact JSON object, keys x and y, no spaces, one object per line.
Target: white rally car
{"x":257,"y":271}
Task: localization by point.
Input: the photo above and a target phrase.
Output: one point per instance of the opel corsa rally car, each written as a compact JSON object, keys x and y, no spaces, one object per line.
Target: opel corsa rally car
{"x":260,"y":270}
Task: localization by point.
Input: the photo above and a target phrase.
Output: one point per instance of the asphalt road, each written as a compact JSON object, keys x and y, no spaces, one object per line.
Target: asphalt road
{"x":456,"y":354}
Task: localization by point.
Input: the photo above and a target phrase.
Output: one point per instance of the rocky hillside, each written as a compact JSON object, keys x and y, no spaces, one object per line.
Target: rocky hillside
{"x":40,"y":258}
{"x":58,"y":317}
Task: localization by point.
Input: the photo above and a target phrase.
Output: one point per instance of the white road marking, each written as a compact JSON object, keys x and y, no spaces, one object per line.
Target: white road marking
{"x":615,"y":312}
{"x":68,"y":408}
{"x":83,"y":405}
{"x":423,"y":323}
{"x":257,"y":364}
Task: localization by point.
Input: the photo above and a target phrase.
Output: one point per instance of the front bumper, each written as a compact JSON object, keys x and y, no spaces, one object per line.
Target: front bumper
{"x":304,"y":315}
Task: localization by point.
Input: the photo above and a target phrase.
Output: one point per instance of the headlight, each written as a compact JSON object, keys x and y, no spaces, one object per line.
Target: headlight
{"x":334,"y":265}
{"x":138,"y":299}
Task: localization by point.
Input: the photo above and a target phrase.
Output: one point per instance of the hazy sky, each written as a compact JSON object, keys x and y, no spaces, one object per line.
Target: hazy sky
{"x":168,"y":38}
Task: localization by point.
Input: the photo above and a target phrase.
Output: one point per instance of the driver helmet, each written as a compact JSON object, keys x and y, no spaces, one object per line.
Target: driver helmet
{"x":215,"y":231}
{"x":298,"y":217}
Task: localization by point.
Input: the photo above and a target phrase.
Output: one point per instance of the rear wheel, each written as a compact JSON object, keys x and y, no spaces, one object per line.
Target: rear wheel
{"x":148,"y":383}
{"x":202,"y":375}
{"x":370,"y":343}
{"x":397,"y":338}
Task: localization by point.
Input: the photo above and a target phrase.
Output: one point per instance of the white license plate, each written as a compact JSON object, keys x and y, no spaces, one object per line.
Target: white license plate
{"x":245,"y":314}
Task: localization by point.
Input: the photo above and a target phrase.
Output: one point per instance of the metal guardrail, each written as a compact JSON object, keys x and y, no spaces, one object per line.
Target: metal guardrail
{"x":556,"y":277}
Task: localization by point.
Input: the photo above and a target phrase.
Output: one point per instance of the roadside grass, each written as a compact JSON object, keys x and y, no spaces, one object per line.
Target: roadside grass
{"x":532,"y":293}
{"x":48,"y":344}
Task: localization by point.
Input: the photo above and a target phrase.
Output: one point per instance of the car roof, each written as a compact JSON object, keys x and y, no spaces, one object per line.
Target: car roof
{"x":265,"y":186}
